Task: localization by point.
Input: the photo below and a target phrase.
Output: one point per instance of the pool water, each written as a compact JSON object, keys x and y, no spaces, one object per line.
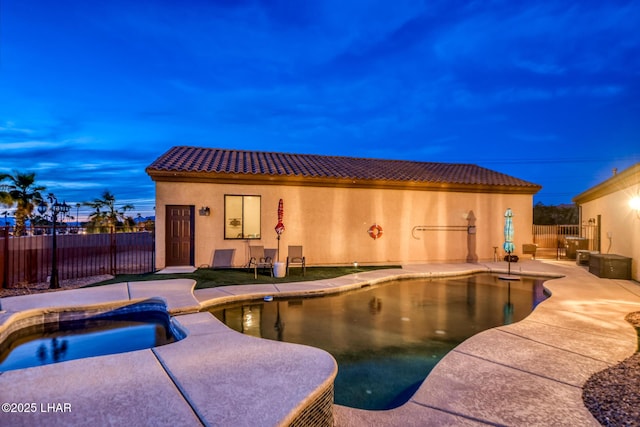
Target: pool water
{"x":59,"y":342}
{"x":387,"y":338}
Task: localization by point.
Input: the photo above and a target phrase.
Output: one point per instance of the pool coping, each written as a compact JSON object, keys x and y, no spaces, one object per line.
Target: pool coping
{"x":528,"y":373}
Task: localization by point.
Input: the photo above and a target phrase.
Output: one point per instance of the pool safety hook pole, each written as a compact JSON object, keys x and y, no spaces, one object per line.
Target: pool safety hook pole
{"x":468,"y":229}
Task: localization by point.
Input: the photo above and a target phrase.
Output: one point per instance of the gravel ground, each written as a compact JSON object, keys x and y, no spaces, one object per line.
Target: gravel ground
{"x":44,"y":286}
{"x":613,"y":395}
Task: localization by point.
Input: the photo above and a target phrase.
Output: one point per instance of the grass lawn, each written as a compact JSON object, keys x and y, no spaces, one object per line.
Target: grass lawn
{"x":208,"y":278}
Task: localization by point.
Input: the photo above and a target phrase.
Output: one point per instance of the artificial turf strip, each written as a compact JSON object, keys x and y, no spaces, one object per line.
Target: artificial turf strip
{"x":210,"y":278}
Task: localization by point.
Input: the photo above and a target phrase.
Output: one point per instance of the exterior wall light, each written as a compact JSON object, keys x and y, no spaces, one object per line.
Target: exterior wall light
{"x":634,"y":203}
{"x":204,"y":211}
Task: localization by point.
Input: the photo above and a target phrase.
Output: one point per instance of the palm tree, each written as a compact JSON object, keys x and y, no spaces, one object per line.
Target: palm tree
{"x":105,"y":213}
{"x":24,"y":193}
{"x":5,"y":197}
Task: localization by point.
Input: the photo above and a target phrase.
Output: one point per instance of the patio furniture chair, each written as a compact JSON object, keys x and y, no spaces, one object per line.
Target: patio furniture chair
{"x":271,"y":253}
{"x":530,"y":249}
{"x":223,"y":258}
{"x":295,"y":257}
{"x":257,"y":259}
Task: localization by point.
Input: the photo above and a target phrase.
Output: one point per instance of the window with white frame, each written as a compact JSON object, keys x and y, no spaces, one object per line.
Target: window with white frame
{"x":241,"y":217}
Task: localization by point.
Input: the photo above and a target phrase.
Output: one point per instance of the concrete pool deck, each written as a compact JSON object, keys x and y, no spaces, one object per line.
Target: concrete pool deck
{"x":527,"y":373}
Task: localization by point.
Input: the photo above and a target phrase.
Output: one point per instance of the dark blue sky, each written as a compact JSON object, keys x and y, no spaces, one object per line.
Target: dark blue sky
{"x":92,"y":92}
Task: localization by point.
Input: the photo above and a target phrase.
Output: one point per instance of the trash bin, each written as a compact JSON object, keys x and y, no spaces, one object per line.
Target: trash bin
{"x":575,"y":243}
{"x":279,"y":269}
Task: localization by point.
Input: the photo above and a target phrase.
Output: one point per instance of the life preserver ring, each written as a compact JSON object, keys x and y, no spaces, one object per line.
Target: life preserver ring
{"x":375,"y":231}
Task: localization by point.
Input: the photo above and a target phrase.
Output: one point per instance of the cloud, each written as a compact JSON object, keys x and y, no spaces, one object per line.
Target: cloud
{"x":74,"y":167}
{"x":30,"y":145}
{"x":542,"y":37}
{"x":90,"y":106}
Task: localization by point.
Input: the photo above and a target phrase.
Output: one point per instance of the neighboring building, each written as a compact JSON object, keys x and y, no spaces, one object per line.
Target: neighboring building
{"x":209,"y":199}
{"x":609,"y":206}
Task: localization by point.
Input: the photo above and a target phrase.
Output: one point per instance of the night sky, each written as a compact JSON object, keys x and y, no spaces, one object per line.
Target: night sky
{"x":92,"y":92}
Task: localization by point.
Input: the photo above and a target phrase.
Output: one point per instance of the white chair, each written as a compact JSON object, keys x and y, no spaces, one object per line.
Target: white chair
{"x":295,"y":256}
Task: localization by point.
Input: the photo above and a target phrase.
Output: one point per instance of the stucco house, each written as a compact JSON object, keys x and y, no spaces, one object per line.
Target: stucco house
{"x":340,"y":209}
{"x":614,"y":206}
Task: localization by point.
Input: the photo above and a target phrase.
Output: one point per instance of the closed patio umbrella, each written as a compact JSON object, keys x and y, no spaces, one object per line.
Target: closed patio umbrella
{"x":508,"y":232}
{"x":508,"y":245}
{"x":280,"y":225}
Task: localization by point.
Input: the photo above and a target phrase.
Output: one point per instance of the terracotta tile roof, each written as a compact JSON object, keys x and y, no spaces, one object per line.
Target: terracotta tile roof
{"x":216,"y":161}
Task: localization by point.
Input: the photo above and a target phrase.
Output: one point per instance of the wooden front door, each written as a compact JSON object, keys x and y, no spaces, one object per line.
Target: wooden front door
{"x":179,"y":235}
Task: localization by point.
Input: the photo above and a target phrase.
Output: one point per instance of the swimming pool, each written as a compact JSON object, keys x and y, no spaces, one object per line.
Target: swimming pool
{"x":387,"y":338}
{"x":89,"y":334}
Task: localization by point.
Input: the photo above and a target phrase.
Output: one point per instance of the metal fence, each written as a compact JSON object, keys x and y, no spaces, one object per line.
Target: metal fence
{"x":556,"y":240}
{"x":27,"y":259}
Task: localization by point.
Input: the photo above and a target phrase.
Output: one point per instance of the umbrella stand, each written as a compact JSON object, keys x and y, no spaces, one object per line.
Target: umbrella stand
{"x":509,"y":276}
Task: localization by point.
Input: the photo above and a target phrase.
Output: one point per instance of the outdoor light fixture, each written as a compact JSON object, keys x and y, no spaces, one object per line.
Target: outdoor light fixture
{"x":42,"y":208}
{"x":205,"y":211}
{"x":56,"y":209}
{"x":634,"y":203}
